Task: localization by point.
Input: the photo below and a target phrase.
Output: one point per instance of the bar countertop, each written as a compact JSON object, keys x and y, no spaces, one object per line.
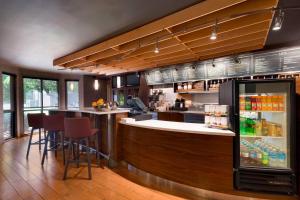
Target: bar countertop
{"x":93,"y":111}
{"x":184,"y":127}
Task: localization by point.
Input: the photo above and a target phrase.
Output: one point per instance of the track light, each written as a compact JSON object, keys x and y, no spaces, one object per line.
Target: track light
{"x":278,"y":21}
{"x":213,"y":35}
{"x":156,"y":50}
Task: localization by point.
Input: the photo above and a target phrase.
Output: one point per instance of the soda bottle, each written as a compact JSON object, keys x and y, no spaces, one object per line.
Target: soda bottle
{"x":253,"y":103}
{"x":242,"y":103}
{"x":258,"y":103}
{"x":281,"y":159}
{"x":247,"y":103}
{"x":265,"y":158}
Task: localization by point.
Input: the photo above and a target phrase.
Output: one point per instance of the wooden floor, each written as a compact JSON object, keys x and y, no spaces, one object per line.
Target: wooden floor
{"x":22,"y":179}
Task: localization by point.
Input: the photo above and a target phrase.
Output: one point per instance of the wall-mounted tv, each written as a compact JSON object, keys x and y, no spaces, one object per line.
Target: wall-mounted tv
{"x":132,"y":79}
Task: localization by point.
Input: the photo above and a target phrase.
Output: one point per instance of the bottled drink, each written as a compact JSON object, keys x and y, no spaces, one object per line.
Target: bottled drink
{"x":242,"y":125}
{"x":258,"y":103}
{"x":281,"y":158}
{"x":258,"y":128}
{"x":269,"y":103}
{"x":273,"y":158}
{"x":265,"y":158}
{"x":247,"y":103}
{"x":242,"y":103}
{"x":274,"y":103}
{"x":253,"y":156}
{"x":253,"y":103}
{"x":264,"y":103}
{"x":280,"y":103}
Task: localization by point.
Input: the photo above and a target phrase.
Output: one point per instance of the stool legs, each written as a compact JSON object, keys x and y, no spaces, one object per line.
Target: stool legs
{"x":45,"y":148}
{"x":29,"y":143}
{"x":39,"y":139}
{"x":76,"y":157}
{"x":88,"y":157}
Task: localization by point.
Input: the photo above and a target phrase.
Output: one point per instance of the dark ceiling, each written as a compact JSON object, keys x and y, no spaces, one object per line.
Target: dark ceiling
{"x":290,"y":30}
{"x":34,"y":32}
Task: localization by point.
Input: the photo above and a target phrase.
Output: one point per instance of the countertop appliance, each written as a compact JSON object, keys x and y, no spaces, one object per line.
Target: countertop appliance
{"x":265,"y":143}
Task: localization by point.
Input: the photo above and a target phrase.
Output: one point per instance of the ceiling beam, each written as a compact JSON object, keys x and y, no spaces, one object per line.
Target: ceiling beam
{"x":198,"y":10}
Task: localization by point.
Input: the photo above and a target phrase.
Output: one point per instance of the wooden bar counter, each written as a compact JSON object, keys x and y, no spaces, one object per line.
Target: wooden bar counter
{"x":186,"y":153}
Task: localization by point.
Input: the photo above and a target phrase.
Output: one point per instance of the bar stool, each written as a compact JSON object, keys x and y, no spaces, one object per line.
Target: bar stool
{"x":54,"y":125}
{"x":35,"y":121}
{"x":78,"y":130}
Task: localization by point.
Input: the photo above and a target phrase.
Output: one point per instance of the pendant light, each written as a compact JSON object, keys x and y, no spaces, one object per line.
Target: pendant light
{"x":156,"y":50}
{"x":213,"y":35}
{"x":96,"y":84}
{"x":278,"y":21}
{"x":72,"y":86}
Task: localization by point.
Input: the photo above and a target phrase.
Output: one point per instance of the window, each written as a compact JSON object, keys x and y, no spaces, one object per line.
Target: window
{"x":9,"y":123}
{"x":72,"y":94}
{"x":39,"y":96}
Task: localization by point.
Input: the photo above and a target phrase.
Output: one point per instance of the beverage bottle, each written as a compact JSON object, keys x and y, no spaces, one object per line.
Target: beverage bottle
{"x":263,"y":103}
{"x":280,"y":103}
{"x":253,"y":156}
{"x":258,"y":103}
{"x":242,"y":103}
{"x":253,"y":103}
{"x":274,"y":103}
{"x":273,"y":158}
{"x":242,"y":125}
{"x":258,"y":128}
{"x":247,"y":103}
{"x":282,"y":158}
{"x":269,"y":103}
{"x":265,"y":158}
{"x":259,"y":156}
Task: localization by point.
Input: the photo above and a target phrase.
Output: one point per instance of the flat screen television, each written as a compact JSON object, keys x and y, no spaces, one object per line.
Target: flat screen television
{"x":132,"y":79}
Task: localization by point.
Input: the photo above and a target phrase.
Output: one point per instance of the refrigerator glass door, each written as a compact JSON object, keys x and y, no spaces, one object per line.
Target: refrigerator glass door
{"x":264,"y":128}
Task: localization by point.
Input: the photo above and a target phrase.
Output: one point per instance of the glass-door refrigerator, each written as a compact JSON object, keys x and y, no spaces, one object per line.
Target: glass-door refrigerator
{"x":263,"y":118}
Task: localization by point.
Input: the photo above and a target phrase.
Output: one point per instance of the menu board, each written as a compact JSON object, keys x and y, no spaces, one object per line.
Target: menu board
{"x":180,"y":73}
{"x":290,"y":60}
{"x":259,"y":63}
{"x":267,"y":62}
{"x":238,"y":67}
{"x":215,"y":69}
{"x":167,"y":75}
{"x":154,"y":77}
{"x":200,"y":71}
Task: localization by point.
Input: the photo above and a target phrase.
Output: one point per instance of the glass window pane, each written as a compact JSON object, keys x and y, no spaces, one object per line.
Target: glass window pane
{"x":6,"y":82}
{"x":32,"y":92}
{"x":50,"y":93}
{"x":72,"y":94}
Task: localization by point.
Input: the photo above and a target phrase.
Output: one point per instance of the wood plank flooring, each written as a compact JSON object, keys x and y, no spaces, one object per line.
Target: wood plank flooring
{"x":28,"y":180}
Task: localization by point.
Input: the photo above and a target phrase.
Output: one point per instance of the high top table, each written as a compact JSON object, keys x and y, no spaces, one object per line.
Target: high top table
{"x":106,"y":122}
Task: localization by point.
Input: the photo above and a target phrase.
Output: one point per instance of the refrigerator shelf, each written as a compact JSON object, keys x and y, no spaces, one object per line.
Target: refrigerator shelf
{"x":261,"y":136}
{"x":261,"y":111}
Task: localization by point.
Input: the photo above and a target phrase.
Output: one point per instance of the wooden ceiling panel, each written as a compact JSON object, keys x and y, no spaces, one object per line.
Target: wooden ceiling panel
{"x":229,"y":26}
{"x":181,"y":37}
{"x":247,"y":6}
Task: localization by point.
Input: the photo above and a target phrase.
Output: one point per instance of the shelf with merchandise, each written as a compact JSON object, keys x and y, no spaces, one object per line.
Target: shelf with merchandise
{"x":261,"y":136}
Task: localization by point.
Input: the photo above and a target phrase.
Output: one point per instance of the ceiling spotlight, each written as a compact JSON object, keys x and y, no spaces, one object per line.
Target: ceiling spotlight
{"x":278,"y":21}
{"x":213,"y":35}
{"x":156,"y":50}
{"x":213,"y":63}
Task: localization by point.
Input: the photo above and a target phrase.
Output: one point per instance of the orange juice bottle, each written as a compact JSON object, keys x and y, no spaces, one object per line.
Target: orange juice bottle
{"x":269,"y":103}
{"x":263,"y":103}
{"x":280,"y":103}
{"x":274,"y":103}
{"x":242,"y":103}
{"x":258,"y":103}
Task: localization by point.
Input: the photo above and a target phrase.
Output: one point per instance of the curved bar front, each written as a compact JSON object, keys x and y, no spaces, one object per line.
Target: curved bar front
{"x":186,"y":153}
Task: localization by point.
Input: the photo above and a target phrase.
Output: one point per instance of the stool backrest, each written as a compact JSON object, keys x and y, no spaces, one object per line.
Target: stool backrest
{"x":78,"y":127}
{"x":54,"y":122}
{"x":35,"y":120}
